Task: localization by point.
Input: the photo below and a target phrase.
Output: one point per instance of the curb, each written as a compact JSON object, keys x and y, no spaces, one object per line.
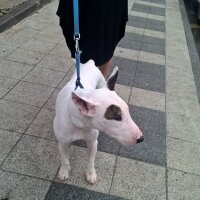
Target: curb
{"x":194,"y":57}
{"x":21,"y":12}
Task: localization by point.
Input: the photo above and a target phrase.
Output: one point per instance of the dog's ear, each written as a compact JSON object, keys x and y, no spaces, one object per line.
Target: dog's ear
{"x":112,"y":79}
{"x":84,"y":105}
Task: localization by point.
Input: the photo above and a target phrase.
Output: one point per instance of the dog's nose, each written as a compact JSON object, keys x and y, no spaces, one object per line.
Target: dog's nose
{"x":140,"y":139}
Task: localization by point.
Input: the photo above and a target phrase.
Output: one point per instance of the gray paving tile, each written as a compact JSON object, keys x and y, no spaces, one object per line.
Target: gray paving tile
{"x":133,"y":37}
{"x":13,"y":69}
{"x":182,"y":185}
{"x":126,"y":53}
{"x":133,"y":180}
{"x":138,"y":14}
{"x":68,"y":192}
{"x":5,"y":50}
{"x":183,"y":128}
{"x":184,"y":156}
{"x":34,"y":156}
{"x":152,"y":58}
{"x":149,"y":82}
{"x":61,"y":50}
{"x":149,"y":9}
{"x":153,"y":148}
{"x":155,"y":25}
{"x":153,"y":40}
{"x":184,"y":107}
{"x":127,"y":70}
{"x":158,"y":49}
{"x":28,"y":93}
{"x":157,"y":17}
{"x":19,"y":38}
{"x":67,"y":78}
{"x":52,"y":100}
{"x":179,"y":89}
{"x":15,"y":186}
{"x":26,"y":33}
{"x":123,"y":91}
{"x":37,"y":45}
{"x":56,"y":63}
{"x":147,"y":99}
{"x":42,"y":125}
{"x":158,"y":1}
{"x":180,"y":74}
{"x":25,"y":56}
{"x":156,"y":34}
{"x":44,"y":76}
{"x":105,"y":144}
{"x":16,"y":116}
{"x":104,"y":164}
{"x":49,"y":37}
{"x":8,"y":140}
{"x":129,"y":44}
{"x":150,"y":68}
{"x":37,"y":25}
{"x":135,"y":30}
{"x":6,"y":84}
{"x":136,"y":21}
{"x":150,"y":76}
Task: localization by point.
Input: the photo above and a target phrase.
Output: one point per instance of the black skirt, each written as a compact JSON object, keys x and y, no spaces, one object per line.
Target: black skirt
{"x":101,"y":23}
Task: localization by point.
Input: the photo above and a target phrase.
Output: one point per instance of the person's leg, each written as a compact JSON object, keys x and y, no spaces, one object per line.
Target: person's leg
{"x":105,"y":68}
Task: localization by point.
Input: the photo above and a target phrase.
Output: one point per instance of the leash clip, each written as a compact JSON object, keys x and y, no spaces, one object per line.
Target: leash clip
{"x":77,"y":45}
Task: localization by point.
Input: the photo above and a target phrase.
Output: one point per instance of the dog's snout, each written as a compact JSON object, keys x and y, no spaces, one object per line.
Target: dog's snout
{"x":140,"y":139}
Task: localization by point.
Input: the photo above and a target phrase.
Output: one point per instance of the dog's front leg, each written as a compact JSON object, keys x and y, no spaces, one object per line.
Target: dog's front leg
{"x":65,"y":165}
{"x":91,"y":150}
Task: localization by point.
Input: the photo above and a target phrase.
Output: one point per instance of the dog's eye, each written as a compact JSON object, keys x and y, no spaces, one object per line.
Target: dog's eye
{"x":118,"y":117}
{"x":113,"y":112}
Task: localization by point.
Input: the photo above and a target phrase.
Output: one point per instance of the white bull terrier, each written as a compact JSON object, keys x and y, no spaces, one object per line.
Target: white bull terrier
{"x":82,"y":113}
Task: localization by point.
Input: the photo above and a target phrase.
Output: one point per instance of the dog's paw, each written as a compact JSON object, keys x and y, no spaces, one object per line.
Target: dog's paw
{"x":63,"y":174}
{"x":91,"y":177}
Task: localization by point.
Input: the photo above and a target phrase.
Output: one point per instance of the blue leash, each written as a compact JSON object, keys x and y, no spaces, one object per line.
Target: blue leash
{"x":77,"y":38}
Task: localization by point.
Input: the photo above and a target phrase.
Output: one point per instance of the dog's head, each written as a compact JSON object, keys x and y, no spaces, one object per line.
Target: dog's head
{"x":108,"y":112}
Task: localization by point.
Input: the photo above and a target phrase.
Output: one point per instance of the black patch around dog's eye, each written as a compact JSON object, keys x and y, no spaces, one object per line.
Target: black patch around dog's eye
{"x":113,"y":112}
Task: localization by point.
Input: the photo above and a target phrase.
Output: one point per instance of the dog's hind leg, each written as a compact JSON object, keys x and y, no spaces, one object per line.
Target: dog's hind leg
{"x":91,"y":150}
{"x":65,"y":165}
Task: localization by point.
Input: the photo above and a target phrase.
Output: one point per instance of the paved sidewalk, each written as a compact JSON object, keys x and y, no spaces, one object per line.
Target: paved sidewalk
{"x":155,"y":79}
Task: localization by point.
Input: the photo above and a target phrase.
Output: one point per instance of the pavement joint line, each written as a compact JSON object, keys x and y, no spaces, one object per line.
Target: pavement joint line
{"x":166,"y":183}
{"x":156,"y":17}
{"x":30,"y":176}
{"x":156,"y":5}
{"x":10,"y":89}
{"x":24,"y":130}
{"x":183,"y":115}
{"x":183,"y":140}
{"x":147,"y":29}
{"x":184,"y":171}
{"x":114,"y":170}
{"x":38,"y":137}
{"x":196,"y":143}
{"x":14,"y":101}
{"x":144,"y":32}
{"x":21,"y":44}
{"x":8,"y":154}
